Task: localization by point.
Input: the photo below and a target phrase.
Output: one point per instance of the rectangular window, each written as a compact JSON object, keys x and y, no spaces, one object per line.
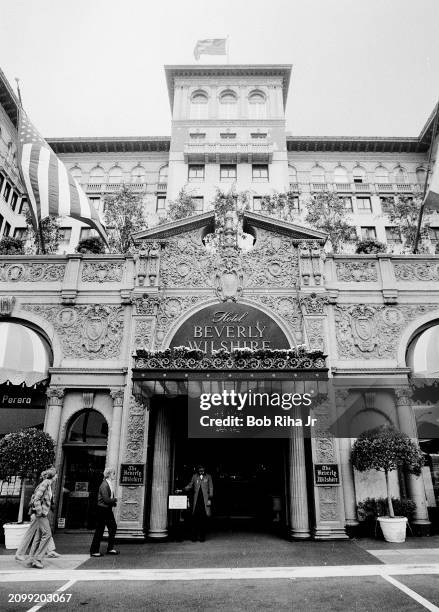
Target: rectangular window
{"x":434,"y":233}
{"x":14,"y":200}
{"x":227,"y":171}
{"x":87,"y":232}
{"x":228,"y":135}
{"x":65,"y":233}
{"x":368,"y":232}
{"x":196,"y":172}
{"x":364,"y":204}
{"x":197,"y":136}
{"x":260,"y":172}
{"x":198,"y":203}
{"x":7,"y":229}
{"x":258,"y":135}
{"x":393,"y":234}
{"x":7,"y":191}
{"x":96,"y":202}
{"x":22,"y":207}
{"x":385,"y":204}
{"x":20,"y":232}
{"x":347,"y":202}
{"x":353,"y":234}
{"x":161,"y":203}
{"x":257,"y":203}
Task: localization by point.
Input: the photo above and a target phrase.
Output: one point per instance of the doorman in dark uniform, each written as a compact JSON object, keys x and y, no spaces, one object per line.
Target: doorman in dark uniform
{"x":105,"y":516}
{"x":201,"y":487}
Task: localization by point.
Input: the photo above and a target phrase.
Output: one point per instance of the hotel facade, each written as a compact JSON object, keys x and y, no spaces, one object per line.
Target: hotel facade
{"x":89,"y":325}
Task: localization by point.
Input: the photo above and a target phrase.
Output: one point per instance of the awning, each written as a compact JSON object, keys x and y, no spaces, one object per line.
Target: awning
{"x":24,"y":356}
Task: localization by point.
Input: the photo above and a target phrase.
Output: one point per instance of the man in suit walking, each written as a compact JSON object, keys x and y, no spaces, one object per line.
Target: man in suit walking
{"x":202,"y":489}
{"x":104,"y":516}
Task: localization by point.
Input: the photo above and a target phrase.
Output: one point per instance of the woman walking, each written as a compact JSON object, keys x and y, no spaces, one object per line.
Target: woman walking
{"x":38,"y":541}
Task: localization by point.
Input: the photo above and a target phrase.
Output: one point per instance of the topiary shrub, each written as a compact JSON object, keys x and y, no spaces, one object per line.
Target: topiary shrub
{"x":25,"y":453}
{"x":11,"y":246}
{"x":370,"y":246}
{"x":386,"y":449}
{"x":94,"y":245}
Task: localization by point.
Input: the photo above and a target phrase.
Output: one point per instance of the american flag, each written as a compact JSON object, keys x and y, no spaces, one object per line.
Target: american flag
{"x":51,"y":189}
{"x":210,"y":46}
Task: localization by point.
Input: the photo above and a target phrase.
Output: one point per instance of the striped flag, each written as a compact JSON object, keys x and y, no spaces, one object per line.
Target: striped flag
{"x":210,"y":46}
{"x":432,"y":196}
{"x":51,"y":189}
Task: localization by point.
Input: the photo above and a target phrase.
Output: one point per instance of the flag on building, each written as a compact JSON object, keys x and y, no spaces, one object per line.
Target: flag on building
{"x":210,"y":46}
{"x":432,"y":196}
{"x":50,"y":187}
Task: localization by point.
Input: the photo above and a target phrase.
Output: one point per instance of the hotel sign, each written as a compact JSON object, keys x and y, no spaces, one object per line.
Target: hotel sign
{"x":326,"y":474}
{"x":229,"y":327}
{"x":132,"y":474}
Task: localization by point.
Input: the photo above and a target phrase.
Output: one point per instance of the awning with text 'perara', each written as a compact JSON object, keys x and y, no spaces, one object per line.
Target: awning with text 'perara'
{"x":25,"y":356}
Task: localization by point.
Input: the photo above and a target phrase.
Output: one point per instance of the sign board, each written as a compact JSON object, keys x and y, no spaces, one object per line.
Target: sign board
{"x":61,"y":523}
{"x":177,"y":502}
{"x":326,"y":474}
{"x":15,"y":396}
{"x":229,"y":327}
{"x":132,"y":474}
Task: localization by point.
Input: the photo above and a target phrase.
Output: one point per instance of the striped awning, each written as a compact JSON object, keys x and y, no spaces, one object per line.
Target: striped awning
{"x":24,"y":355}
{"x":423,"y":357}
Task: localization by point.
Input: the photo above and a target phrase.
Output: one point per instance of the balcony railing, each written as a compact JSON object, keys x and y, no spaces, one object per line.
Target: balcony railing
{"x":232,"y":152}
{"x":113,"y":187}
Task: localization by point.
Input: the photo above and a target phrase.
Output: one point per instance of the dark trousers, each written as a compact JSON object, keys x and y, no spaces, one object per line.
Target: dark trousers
{"x":104,"y":518}
{"x":199,"y":520}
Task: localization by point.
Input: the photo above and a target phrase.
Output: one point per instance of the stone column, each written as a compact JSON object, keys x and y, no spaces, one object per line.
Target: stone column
{"x":298,"y":506}
{"x":117,"y":395}
{"x":407,"y":425}
{"x":55,"y":397}
{"x":158,"y":527}
{"x":347,"y":474}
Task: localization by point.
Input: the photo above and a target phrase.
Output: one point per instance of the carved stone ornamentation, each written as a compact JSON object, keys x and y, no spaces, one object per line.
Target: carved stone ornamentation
{"x":357,"y":271}
{"x":328,"y":503}
{"x":91,"y":332}
{"x":185,"y":262}
{"x":315,"y":333}
{"x":131,"y":503}
{"x":146,"y":305}
{"x":373,"y":331}
{"x":143,"y":333}
{"x":324,"y":448}
{"x":272,"y":262}
{"x":313,"y":303}
{"x":135,"y":432}
{"x":7,"y":303}
{"x":103,"y":272}
{"x":287,"y":308}
{"x":169,"y":309}
{"x":422,"y":271}
{"x":32,"y":272}
{"x":55,"y":395}
{"x":117,"y":396}
{"x":229,"y":280}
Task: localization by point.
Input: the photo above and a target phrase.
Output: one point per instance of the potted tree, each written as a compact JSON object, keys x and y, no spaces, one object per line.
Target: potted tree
{"x":25,"y":453}
{"x":385,"y":449}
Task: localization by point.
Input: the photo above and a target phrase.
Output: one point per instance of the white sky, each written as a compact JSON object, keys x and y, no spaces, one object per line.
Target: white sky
{"x":95,"y":67}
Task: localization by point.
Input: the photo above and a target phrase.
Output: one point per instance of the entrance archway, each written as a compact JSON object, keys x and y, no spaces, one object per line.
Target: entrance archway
{"x":85,"y":450}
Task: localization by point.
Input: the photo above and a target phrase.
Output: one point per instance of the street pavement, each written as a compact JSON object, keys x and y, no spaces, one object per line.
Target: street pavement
{"x":230,"y":572}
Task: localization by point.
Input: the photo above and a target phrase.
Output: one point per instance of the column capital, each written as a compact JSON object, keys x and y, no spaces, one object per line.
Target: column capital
{"x":341,"y":395}
{"x":55,"y":395}
{"x":117,"y":394}
{"x":403,"y":396}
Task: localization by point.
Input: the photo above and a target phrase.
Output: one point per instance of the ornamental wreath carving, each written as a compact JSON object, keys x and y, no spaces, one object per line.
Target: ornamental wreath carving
{"x":185,"y":262}
{"x":92,"y":331}
{"x":361,"y":271}
{"x":32,"y":272}
{"x":423,"y":271}
{"x":104,"y":272}
{"x":313,"y":303}
{"x":373,"y":331}
{"x":273,"y":261}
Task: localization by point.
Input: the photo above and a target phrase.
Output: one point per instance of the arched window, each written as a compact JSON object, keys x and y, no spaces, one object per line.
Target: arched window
{"x":199,"y":105}
{"x":381,"y":175}
{"x":138,"y":174}
{"x":359,"y":175}
{"x":89,"y":427}
{"x":420,"y":176}
{"x":115,"y":175}
{"x":292,"y":174}
{"x":97,"y":175}
{"x":400,"y":175}
{"x":76,"y":172}
{"x":163,"y":174}
{"x":317,"y":174}
{"x":341,"y":175}
{"x":257,"y":105}
{"x":228,"y":105}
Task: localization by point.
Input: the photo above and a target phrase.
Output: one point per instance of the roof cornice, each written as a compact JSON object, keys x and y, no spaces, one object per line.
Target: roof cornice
{"x":362,"y":144}
{"x":123,"y":144}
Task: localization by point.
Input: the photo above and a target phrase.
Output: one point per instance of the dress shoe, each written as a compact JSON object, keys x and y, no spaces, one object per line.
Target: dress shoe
{"x":96,"y":554}
{"x":53,"y":555}
{"x":113,"y":552}
{"x":37,"y":564}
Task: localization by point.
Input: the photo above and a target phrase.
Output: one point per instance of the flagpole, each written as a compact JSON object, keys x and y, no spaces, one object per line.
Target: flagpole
{"x":427,"y":176}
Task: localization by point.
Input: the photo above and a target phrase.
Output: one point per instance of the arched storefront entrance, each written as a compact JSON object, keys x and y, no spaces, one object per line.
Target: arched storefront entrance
{"x":85,"y":450}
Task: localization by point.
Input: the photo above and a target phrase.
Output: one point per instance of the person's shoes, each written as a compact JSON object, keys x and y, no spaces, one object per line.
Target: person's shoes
{"x":37,"y":564}
{"x":98,"y":554}
{"x":28,"y":563}
{"x":19,"y":558}
{"x":53,"y":555}
{"x":113,"y":551}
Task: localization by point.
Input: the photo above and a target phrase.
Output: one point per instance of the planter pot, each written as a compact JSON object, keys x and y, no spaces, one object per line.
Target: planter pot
{"x":394,"y":529}
{"x":14,"y":533}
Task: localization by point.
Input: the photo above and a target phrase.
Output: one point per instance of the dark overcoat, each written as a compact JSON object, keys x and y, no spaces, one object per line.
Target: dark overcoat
{"x":204,"y":485}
